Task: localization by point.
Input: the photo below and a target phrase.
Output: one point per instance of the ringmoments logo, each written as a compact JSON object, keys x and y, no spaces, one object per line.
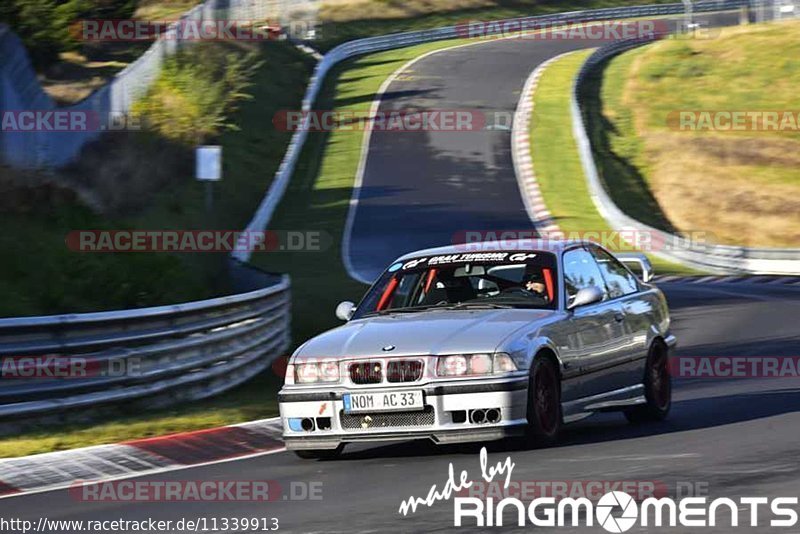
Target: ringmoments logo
{"x":615,"y":511}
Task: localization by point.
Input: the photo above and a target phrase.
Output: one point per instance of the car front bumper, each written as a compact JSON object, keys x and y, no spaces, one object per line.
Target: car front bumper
{"x":445,"y":419}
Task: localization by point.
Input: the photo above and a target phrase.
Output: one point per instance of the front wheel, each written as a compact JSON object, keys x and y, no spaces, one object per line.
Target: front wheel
{"x":657,"y":388}
{"x":544,"y":403}
{"x":320,"y":454}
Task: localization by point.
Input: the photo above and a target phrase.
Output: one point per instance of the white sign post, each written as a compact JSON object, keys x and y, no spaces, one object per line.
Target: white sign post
{"x":208,"y":169}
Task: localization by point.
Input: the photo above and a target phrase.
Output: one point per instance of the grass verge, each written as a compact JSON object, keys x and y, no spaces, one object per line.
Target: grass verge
{"x":741,"y":186}
{"x":555,"y":156}
{"x":616,"y":148}
{"x":253,"y":400}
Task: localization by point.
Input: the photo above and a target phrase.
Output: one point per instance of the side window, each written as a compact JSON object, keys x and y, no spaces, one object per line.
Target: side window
{"x":580,"y":271}
{"x":620,"y":281}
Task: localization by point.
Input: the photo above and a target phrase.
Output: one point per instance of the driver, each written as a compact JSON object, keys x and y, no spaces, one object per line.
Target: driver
{"x":534,"y":282}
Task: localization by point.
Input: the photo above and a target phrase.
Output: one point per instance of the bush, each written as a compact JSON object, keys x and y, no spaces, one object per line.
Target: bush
{"x":197,"y":90}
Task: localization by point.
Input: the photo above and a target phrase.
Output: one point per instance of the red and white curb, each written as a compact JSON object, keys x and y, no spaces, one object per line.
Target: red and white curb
{"x":60,"y":470}
{"x":521,"y":154}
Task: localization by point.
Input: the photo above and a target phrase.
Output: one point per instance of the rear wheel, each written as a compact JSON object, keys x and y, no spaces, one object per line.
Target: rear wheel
{"x":544,"y":403}
{"x":320,"y":454}
{"x":657,"y":387}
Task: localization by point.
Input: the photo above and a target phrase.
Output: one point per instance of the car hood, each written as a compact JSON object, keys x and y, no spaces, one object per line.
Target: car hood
{"x":426,"y":333}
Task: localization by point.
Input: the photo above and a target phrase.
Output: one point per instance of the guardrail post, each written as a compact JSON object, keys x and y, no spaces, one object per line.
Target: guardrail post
{"x":744,"y":15}
{"x":688,"y":18}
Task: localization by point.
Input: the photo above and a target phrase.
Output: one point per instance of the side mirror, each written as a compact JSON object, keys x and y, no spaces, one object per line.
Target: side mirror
{"x":344,"y":310}
{"x":587,"y":295}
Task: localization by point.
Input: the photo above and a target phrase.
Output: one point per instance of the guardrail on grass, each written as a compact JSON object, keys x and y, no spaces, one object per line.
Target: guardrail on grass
{"x":722,"y":259}
{"x":65,"y":366}
{"x":386,"y":42}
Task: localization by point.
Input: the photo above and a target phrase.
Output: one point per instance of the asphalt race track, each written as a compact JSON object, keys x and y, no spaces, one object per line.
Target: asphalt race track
{"x":733,"y":437}
{"x":422,"y":189}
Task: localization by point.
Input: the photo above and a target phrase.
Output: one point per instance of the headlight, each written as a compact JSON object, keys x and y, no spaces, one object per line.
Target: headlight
{"x":329,"y":371}
{"x":452,"y":366}
{"x":310,"y":373}
{"x":480,"y":364}
{"x":475,"y":364}
{"x":307,"y":373}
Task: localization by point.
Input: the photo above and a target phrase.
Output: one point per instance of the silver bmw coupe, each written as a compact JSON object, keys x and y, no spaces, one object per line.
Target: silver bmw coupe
{"x":476,"y":343}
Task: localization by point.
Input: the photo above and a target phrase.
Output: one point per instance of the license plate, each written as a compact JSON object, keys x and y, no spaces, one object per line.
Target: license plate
{"x":383,"y":401}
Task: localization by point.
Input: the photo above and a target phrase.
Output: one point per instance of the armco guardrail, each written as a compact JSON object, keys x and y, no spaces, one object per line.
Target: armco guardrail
{"x":375,"y":44}
{"x":140,"y":357}
{"x":721,"y":259}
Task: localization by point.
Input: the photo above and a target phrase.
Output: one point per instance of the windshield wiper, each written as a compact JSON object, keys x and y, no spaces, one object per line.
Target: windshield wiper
{"x":443,"y":306}
{"x":409,"y":309}
{"x":489,"y":305}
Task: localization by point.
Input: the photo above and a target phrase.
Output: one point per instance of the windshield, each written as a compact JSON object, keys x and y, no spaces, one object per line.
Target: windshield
{"x":469,"y":280}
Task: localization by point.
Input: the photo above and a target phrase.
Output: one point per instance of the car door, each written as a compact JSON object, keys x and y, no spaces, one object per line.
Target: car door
{"x":596,"y":343}
{"x":624,"y":288}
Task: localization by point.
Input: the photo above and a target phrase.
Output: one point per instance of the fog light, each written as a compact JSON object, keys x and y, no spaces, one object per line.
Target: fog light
{"x":295,"y":424}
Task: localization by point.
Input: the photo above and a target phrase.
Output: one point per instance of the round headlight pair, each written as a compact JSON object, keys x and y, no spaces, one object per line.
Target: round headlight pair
{"x":309,"y":373}
{"x":475,"y":364}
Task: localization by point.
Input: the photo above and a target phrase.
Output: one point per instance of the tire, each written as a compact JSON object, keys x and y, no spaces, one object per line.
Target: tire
{"x":657,"y":387}
{"x":319,"y":454}
{"x":544,"y":403}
